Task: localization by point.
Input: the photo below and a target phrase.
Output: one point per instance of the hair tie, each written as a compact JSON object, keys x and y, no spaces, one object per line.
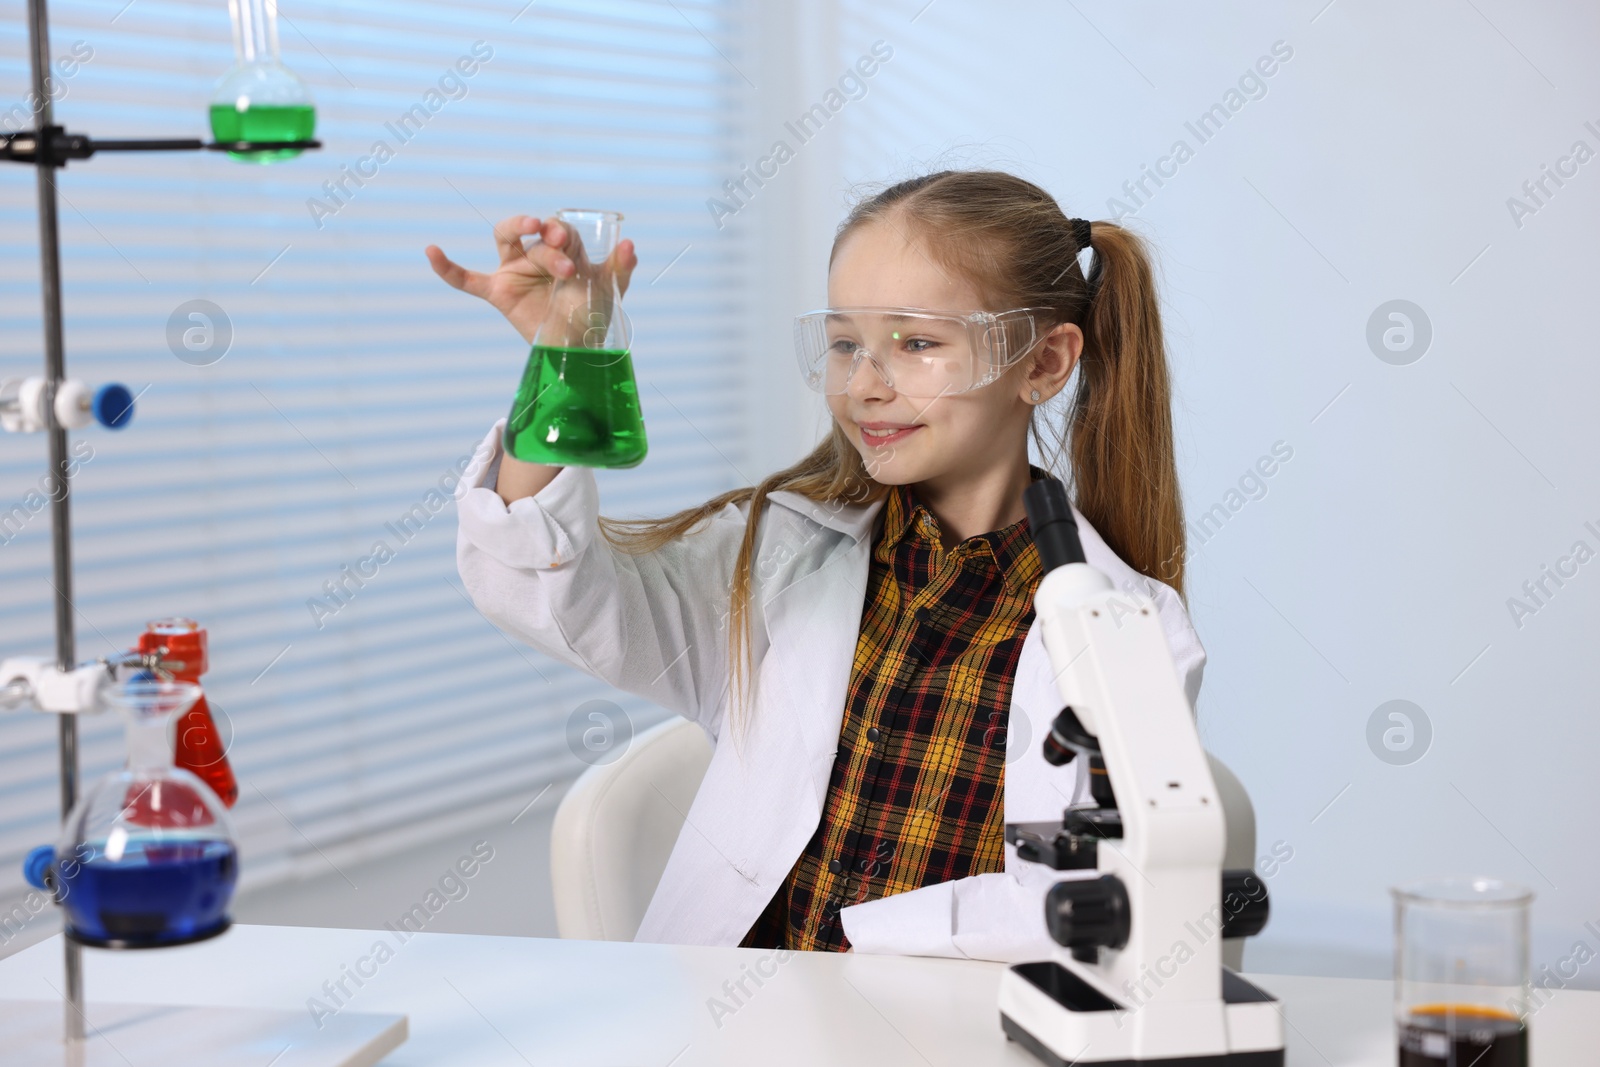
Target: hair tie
{"x":1081,"y":232}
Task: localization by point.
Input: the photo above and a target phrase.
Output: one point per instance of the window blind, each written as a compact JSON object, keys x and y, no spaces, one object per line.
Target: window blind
{"x":355,"y":385}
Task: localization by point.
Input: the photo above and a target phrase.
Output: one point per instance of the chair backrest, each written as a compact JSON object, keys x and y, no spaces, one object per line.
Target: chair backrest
{"x":618,"y":822}
{"x":616,"y":826}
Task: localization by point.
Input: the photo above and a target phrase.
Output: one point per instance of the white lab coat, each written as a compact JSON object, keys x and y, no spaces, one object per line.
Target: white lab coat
{"x":654,"y":625}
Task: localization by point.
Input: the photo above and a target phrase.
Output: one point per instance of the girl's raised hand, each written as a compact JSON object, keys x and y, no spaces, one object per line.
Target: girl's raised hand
{"x":520,"y":287}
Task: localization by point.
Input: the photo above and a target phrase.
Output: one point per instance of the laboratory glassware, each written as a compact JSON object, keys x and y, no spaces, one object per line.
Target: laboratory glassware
{"x":578,"y":401}
{"x":918,"y":352}
{"x":182,"y":647}
{"x":48,"y":147}
{"x":1461,"y":973}
{"x":258,"y":98}
{"x":147,"y":857}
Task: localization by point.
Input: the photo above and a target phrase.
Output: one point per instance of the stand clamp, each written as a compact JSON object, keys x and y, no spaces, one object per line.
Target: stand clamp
{"x":53,"y":146}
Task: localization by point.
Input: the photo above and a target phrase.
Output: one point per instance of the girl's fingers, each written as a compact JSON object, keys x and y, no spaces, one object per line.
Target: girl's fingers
{"x":624,"y":260}
{"x":508,"y":236}
{"x":454,"y":274}
{"x":550,"y":261}
{"x":542,"y":259}
{"x":514,"y":254}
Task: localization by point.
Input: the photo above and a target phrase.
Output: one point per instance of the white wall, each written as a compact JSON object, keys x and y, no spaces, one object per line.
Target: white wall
{"x":1418,"y":498}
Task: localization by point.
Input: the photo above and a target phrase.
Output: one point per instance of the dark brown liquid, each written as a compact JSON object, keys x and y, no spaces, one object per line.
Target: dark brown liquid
{"x":1446,"y":1035}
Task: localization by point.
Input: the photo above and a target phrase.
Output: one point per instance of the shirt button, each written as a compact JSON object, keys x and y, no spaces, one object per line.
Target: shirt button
{"x":872,"y":733}
{"x":835,"y":866}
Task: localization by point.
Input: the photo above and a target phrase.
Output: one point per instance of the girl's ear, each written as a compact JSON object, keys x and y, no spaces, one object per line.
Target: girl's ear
{"x":1053,"y":363}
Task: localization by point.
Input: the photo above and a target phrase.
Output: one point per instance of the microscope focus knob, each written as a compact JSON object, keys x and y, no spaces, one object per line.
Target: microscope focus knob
{"x":1084,"y":914}
{"x":1245,"y":906}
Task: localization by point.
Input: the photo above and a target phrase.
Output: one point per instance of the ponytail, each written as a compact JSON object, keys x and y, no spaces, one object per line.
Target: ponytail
{"x":1124,"y":469}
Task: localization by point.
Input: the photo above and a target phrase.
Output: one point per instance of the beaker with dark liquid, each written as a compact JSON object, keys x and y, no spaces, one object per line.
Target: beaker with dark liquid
{"x":1461,"y":973}
{"x":578,"y":403}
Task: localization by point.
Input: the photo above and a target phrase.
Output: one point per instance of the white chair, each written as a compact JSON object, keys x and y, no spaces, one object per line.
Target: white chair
{"x":617,"y":824}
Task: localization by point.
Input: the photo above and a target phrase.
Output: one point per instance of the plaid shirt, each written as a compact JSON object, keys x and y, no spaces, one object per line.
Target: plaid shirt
{"x":916,"y":795}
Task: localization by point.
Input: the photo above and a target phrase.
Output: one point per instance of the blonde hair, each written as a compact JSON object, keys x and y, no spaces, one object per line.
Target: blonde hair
{"x":1012,"y":241}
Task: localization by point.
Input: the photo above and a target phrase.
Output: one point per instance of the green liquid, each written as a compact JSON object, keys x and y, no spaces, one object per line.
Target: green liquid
{"x":264,"y":123}
{"x":577,"y":407}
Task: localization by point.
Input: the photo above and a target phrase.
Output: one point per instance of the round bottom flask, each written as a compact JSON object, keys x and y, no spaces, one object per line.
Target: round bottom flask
{"x":262,"y":101}
{"x":147,"y":856}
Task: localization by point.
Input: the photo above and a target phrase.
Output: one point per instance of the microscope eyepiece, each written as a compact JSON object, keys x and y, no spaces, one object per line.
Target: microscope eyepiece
{"x":1050,"y":519}
{"x":1067,"y":738}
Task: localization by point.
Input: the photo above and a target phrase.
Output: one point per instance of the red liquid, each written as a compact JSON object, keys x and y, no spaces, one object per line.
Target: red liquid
{"x":200,"y":749}
{"x":198,"y":745}
{"x":166,"y":805}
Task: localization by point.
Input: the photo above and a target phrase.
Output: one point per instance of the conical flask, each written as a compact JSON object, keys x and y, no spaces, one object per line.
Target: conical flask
{"x":578,"y":404}
{"x":199,"y":745}
{"x":258,"y":98}
{"x":146,"y":857}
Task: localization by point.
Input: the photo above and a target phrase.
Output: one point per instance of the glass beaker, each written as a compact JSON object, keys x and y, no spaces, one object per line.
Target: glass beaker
{"x":146,"y":857}
{"x":1461,"y":973}
{"x":258,"y":98}
{"x":578,"y":402}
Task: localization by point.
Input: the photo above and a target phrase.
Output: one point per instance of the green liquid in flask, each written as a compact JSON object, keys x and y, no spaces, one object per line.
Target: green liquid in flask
{"x":266,"y":122}
{"x":577,"y":407}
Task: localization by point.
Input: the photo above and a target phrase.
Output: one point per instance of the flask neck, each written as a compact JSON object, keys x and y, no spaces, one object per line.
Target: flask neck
{"x":149,"y":709}
{"x":599,"y":231}
{"x":255,"y":30}
{"x":149,"y":739}
{"x":584,"y":309}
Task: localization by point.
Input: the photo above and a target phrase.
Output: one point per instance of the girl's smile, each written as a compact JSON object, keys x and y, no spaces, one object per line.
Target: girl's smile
{"x":877,"y":434}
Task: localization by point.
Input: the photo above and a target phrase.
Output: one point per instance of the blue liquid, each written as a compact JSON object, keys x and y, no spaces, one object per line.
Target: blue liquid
{"x":156,"y":894}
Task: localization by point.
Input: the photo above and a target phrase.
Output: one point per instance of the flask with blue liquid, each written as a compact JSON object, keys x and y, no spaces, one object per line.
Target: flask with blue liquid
{"x":146,"y":858}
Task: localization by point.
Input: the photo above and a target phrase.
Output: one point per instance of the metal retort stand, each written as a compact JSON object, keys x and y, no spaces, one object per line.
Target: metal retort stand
{"x":54,"y":404}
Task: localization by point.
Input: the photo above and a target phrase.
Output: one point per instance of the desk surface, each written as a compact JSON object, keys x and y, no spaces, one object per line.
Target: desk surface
{"x":519,"y":1001}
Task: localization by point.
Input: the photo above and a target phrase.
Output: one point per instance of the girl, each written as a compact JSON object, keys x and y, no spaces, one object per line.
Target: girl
{"x":855,"y":633}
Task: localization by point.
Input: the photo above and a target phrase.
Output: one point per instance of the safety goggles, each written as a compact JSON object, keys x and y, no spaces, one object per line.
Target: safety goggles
{"x":918,"y":353}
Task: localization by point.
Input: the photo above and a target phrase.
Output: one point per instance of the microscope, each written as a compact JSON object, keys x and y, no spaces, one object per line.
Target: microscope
{"x":1139,"y":977}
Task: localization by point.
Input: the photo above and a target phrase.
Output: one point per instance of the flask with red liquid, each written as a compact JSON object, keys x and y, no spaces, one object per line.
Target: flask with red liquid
{"x":198,"y":746}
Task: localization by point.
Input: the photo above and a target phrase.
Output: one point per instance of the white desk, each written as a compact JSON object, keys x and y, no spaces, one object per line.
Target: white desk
{"x":533,"y":1001}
